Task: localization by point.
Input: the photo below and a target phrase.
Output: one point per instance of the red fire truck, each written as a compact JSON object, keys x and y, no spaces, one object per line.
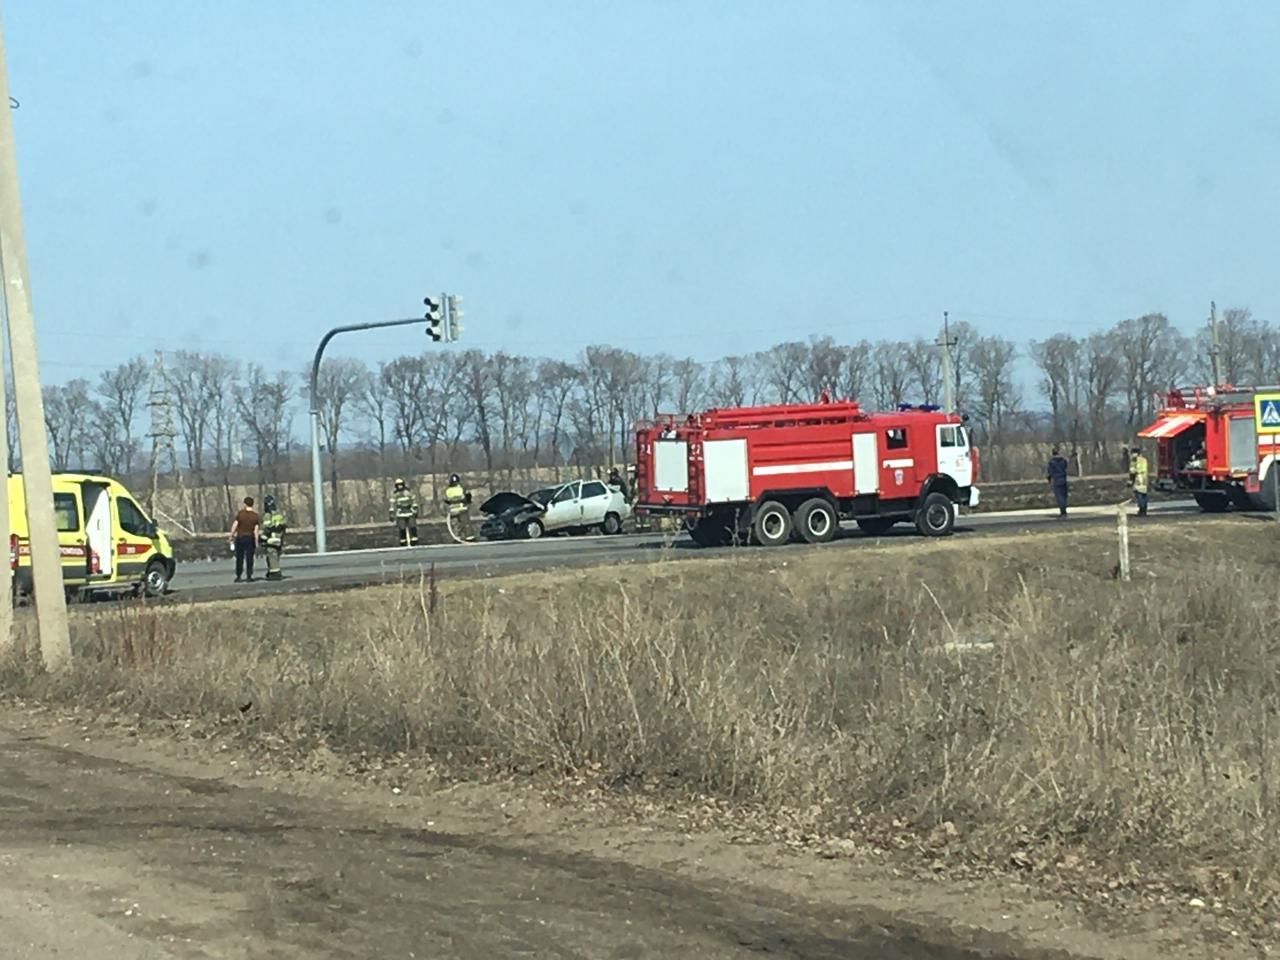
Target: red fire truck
{"x":1214,"y":442}
{"x":777,"y":473}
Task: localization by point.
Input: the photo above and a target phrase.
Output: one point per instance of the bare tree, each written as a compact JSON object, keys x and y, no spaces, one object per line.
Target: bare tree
{"x":924,"y":363}
{"x":68,"y":411}
{"x":263,"y":405}
{"x":121,"y":391}
{"x":340,"y":382}
{"x":688,"y":385}
{"x":892,"y":376}
{"x":998,"y":398}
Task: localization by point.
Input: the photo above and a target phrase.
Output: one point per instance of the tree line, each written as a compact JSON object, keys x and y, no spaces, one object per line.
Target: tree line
{"x":508,"y":415}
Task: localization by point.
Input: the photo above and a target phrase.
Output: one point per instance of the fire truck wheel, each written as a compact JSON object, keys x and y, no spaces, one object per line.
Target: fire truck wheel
{"x":817,"y":521}
{"x":772,"y":526}
{"x":1212,"y":502}
{"x":937,"y":516}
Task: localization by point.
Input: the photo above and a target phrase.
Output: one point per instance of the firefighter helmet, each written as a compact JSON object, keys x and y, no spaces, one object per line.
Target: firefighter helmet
{"x":399,"y":482}
{"x":454,"y":478}
{"x":269,"y":503}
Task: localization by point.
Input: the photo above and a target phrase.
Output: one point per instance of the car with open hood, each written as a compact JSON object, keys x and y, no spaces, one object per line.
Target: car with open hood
{"x":573,"y":507}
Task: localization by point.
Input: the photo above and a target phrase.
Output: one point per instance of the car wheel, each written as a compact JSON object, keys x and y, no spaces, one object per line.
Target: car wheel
{"x":937,"y":516}
{"x":772,"y":525}
{"x":612,"y":525}
{"x":817,"y":521}
{"x":532,"y":530}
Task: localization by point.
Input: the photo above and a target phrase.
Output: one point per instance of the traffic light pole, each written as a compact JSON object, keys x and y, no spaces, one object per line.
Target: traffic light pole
{"x":317,"y":472}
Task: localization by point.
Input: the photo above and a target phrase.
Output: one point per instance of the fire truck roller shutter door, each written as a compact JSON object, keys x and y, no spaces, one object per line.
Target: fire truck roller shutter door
{"x":725,"y":468}
{"x":671,"y":466}
{"x":1242,"y":444}
{"x":866,"y":463}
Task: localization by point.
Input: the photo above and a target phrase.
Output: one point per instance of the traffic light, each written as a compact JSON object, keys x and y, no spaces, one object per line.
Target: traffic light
{"x":435,"y":318}
{"x":453,"y":319}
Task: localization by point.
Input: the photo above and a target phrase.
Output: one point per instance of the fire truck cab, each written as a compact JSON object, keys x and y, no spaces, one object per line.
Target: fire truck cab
{"x":772,"y":474}
{"x":1208,"y":443}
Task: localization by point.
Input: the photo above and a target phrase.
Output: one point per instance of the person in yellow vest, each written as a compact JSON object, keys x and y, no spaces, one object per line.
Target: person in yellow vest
{"x":1138,"y":479}
{"x":404,"y":513}
{"x":273,"y":528}
{"x":458,"y":502}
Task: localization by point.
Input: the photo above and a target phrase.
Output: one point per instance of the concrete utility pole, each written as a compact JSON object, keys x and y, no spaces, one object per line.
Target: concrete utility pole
{"x":6,"y":579}
{"x":1215,"y":351}
{"x":37,"y":479}
{"x":945,"y":342}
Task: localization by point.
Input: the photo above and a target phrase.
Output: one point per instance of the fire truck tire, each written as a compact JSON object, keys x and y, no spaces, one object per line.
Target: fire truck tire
{"x":817,"y":521}
{"x":1213,"y":502}
{"x":876,"y":526}
{"x":937,"y":516}
{"x":711,"y":532}
{"x":772,"y":524}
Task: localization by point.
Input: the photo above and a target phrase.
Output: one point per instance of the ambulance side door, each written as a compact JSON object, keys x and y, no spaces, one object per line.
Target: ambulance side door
{"x":135,"y":546}
{"x":71,"y":537}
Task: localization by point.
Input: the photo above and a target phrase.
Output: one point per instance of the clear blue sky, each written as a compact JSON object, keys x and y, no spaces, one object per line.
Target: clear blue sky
{"x":702,"y":177}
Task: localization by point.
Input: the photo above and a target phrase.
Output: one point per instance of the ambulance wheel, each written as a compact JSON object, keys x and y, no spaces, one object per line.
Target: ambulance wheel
{"x":817,"y":521}
{"x":155,"y":582}
{"x":532,"y":530}
{"x":772,"y":525}
{"x":937,"y":516}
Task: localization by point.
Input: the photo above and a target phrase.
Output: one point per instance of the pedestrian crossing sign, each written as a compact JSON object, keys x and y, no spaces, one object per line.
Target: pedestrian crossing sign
{"x":1266,"y":412}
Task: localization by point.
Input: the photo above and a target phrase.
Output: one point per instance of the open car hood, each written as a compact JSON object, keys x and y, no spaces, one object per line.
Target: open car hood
{"x":506,"y":502}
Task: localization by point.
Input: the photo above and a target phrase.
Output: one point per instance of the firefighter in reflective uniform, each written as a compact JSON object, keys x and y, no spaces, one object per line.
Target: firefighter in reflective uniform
{"x":1138,"y":471}
{"x":273,"y":526}
{"x":458,"y":502}
{"x":404,"y":513}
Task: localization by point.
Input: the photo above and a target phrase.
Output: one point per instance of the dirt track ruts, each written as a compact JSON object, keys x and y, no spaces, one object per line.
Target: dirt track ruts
{"x":131,"y":861}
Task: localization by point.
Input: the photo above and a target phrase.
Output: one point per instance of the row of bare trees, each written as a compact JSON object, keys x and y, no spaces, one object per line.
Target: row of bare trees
{"x":508,"y":415}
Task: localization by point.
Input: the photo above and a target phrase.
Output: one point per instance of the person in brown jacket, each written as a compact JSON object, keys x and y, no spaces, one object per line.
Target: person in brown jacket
{"x":244,"y":539}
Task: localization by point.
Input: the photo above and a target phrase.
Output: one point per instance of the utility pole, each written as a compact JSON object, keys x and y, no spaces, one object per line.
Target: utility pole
{"x":164,"y":453}
{"x":945,"y":342}
{"x":1215,"y":351}
{"x":6,"y":579}
{"x":37,"y":479}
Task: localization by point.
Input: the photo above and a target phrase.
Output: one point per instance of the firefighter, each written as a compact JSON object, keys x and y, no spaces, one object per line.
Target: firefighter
{"x":1056,"y":470}
{"x":458,"y":502}
{"x":273,"y":527}
{"x":618,"y":481}
{"x":404,"y":514}
{"x":1138,"y":479}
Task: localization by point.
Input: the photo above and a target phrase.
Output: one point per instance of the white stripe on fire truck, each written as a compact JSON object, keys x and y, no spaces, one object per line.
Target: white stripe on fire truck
{"x":772,"y":470}
{"x":898,"y":464}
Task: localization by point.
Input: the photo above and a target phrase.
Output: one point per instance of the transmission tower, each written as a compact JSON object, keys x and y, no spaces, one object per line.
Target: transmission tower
{"x":164,"y":453}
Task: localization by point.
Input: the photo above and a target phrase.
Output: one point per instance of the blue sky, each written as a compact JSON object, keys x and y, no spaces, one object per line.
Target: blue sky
{"x":702,"y":177}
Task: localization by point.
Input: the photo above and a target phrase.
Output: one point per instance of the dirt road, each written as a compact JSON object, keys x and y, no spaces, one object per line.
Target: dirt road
{"x":122,"y":850}
{"x":116,"y":860}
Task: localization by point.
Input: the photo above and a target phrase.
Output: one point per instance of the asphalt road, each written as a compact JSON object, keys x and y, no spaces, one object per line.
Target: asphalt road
{"x":211,"y":580}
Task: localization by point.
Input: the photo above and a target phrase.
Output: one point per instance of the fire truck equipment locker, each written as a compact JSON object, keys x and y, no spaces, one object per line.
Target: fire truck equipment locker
{"x":725,"y":466}
{"x":866,"y":463}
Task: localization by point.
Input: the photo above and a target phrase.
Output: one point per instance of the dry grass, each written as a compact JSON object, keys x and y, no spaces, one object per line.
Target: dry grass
{"x":1130,"y":725}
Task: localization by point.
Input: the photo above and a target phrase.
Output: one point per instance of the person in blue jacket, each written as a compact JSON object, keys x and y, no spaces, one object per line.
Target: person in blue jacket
{"x":1056,"y":471}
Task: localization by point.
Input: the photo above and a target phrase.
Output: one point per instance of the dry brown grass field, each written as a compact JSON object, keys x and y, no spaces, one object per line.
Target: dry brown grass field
{"x":1003,"y":701}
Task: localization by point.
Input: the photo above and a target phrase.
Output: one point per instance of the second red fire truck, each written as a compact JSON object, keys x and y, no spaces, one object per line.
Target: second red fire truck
{"x":1217,"y":444}
{"x":772,"y":474}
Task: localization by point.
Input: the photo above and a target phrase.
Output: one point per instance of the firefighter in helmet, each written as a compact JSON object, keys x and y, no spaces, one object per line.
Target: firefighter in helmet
{"x":457,"y":500}
{"x":1138,"y":478}
{"x":618,"y":482}
{"x":404,"y":513}
{"x":272,"y":526}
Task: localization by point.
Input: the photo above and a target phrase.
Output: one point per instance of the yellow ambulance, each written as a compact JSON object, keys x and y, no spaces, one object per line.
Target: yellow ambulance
{"x":107,"y":541}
